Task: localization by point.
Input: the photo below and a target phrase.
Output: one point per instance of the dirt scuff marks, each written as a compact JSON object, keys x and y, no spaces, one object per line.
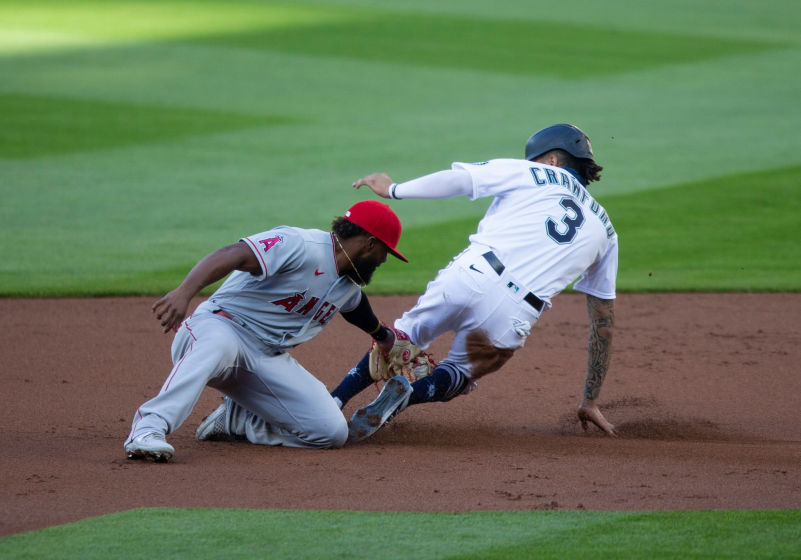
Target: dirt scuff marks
{"x":700,"y":389}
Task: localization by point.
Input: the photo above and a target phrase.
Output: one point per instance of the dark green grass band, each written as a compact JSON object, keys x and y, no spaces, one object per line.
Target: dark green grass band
{"x":231,"y":533}
{"x":33,"y":126}
{"x":530,"y":47}
{"x":511,"y":47}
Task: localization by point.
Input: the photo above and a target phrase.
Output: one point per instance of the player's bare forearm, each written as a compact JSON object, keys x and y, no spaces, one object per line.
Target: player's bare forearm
{"x":599,"y":354}
{"x":379,"y":182}
{"x":171,"y":309}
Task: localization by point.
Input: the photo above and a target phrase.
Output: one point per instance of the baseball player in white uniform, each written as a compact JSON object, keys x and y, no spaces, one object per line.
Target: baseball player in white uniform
{"x":285,"y":285}
{"x":542,"y":231}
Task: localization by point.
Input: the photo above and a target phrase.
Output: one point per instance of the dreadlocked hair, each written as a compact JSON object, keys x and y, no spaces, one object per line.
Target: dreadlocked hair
{"x":345,"y":229}
{"x":586,"y":167}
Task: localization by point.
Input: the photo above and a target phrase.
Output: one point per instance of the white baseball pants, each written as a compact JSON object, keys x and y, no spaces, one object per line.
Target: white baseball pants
{"x":275,"y":400}
{"x":467,"y":295}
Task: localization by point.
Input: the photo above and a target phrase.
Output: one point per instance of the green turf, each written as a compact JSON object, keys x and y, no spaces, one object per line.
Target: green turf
{"x":136,"y":135}
{"x":33,"y":127}
{"x":491,"y":45}
{"x":225,"y":534}
{"x":730,"y":234}
{"x":54,"y":24}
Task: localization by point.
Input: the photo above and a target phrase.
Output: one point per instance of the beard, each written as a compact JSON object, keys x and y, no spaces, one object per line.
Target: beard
{"x":365,"y":266}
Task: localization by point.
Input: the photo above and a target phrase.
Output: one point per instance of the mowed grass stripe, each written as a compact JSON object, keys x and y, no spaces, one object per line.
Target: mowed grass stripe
{"x":663,"y":535}
{"x":300,"y":535}
{"x":729,"y":233}
{"x":533,"y":48}
{"x":32,"y":126}
{"x":112,"y":22}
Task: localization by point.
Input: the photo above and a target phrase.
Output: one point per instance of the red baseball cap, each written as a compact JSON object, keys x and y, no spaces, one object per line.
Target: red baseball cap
{"x":377,"y":219}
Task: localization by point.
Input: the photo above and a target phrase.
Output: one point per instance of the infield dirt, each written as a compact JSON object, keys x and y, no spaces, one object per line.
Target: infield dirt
{"x":704,"y":390}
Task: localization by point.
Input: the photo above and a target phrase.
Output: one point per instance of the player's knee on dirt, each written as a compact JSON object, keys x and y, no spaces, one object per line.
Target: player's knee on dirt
{"x":330,"y":433}
{"x":337,"y":435}
{"x":483,"y":356}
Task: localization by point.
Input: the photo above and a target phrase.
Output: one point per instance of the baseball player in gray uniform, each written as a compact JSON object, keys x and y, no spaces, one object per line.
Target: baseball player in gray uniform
{"x":542,"y":231}
{"x":285,"y":285}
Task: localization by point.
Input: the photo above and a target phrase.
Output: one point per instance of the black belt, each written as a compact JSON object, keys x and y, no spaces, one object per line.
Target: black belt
{"x":498,"y":267}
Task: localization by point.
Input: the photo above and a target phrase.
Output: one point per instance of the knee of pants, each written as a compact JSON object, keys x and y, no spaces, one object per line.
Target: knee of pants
{"x":333,"y":434}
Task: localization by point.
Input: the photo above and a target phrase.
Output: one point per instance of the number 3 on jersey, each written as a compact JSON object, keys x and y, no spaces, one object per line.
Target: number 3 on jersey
{"x":572,"y":223}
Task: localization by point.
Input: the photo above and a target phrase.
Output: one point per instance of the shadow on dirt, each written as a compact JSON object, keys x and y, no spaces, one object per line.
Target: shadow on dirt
{"x":646,"y":418}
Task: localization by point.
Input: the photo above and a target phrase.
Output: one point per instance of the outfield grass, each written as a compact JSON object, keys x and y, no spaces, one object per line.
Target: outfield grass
{"x":230,"y":533}
{"x":136,"y":136}
{"x":736,"y":233}
{"x":34,"y":127}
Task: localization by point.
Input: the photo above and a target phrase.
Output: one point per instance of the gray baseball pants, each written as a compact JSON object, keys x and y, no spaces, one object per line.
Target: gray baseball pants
{"x":275,"y":400}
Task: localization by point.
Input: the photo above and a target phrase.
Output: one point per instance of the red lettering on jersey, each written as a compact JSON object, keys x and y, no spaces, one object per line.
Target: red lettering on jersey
{"x":321,"y":310}
{"x":268,"y":243}
{"x":328,"y":315}
{"x":290,"y":302}
{"x":309,"y":306}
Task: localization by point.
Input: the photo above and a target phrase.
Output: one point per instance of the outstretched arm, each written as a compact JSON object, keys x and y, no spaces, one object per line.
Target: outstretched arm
{"x":362,"y":316}
{"x":171,"y":309}
{"x":442,"y":184}
{"x":599,"y":353}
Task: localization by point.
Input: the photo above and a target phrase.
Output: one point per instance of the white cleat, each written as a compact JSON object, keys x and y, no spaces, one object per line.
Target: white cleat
{"x":393,"y":399}
{"x":151,"y":445}
{"x":214,"y":427}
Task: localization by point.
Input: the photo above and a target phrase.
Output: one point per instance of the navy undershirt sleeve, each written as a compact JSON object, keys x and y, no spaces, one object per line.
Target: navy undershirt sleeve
{"x":362,"y":316}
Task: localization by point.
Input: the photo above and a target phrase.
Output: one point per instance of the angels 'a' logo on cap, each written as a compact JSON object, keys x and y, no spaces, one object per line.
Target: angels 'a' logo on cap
{"x":347,"y":213}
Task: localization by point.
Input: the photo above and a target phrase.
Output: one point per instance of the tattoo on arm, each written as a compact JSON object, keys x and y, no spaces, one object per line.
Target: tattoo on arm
{"x":599,"y":348}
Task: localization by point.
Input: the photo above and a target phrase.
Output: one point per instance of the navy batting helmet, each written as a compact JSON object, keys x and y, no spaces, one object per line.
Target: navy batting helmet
{"x":562,"y":137}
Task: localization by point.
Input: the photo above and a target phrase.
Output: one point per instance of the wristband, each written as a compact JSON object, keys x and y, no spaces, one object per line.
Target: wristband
{"x":382,"y":334}
{"x":392,"y":188}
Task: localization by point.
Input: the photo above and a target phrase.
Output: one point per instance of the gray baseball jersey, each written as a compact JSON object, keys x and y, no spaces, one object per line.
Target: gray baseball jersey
{"x":298,"y":291}
{"x":274,"y":400}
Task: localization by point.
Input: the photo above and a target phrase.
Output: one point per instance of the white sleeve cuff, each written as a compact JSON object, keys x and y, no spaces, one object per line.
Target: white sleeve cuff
{"x":443,"y":184}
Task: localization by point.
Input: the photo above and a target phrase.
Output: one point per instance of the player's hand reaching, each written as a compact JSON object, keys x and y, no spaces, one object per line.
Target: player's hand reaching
{"x":379,"y":182}
{"x":588,"y":412}
{"x":171,"y":309}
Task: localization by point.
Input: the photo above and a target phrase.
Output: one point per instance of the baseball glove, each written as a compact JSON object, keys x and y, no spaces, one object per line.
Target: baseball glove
{"x":404,"y":359}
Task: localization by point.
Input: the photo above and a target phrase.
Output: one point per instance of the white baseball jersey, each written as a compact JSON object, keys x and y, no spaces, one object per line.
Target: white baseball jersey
{"x":545,"y":227}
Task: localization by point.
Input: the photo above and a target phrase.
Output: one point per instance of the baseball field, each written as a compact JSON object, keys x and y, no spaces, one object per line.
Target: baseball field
{"x":137,"y":136}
